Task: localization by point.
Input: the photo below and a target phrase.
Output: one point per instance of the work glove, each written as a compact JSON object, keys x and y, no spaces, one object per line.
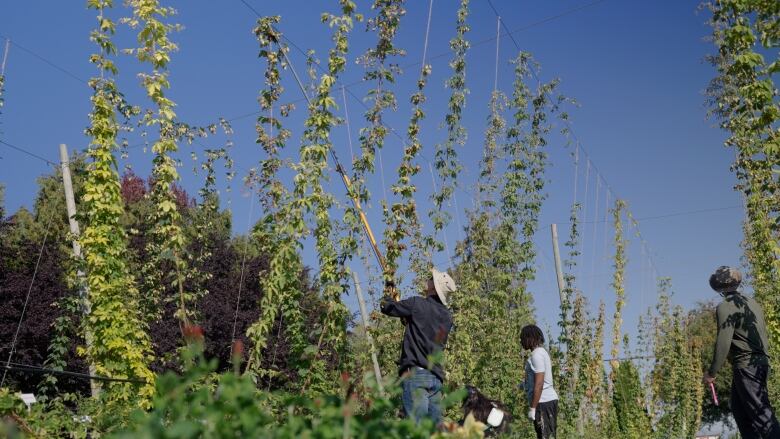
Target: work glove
{"x":389,"y":288}
{"x":532,"y":414}
{"x":386,"y":300}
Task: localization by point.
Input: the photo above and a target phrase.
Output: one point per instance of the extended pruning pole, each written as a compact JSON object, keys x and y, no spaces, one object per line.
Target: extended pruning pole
{"x":347,"y":185}
{"x":363,"y":219}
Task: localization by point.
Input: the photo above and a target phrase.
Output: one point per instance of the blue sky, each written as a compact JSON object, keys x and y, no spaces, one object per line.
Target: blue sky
{"x":637,"y":70}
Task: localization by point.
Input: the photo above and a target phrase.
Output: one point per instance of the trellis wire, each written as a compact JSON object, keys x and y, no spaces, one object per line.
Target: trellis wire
{"x":27,"y":297}
{"x":243,"y":267}
{"x":498,"y":40}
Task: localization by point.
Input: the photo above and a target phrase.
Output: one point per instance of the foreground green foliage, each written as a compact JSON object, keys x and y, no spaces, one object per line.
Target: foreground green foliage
{"x":201,"y":403}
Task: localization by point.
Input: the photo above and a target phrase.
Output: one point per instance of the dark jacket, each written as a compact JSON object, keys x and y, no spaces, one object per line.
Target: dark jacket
{"x":428,"y":325}
{"x":742,"y":336}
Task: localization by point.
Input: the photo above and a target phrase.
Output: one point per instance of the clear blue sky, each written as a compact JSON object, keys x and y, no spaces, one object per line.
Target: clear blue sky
{"x":636,"y":68}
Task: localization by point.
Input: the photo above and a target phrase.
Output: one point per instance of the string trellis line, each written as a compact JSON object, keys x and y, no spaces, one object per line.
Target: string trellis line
{"x":27,"y":298}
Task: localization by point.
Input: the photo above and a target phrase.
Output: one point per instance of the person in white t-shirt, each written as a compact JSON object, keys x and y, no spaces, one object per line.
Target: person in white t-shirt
{"x":539,"y":390}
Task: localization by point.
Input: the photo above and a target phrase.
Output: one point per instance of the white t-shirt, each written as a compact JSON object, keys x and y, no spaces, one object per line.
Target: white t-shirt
{"x":539,"y":362}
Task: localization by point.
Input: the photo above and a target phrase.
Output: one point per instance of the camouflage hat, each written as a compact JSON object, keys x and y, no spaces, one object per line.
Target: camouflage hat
{"x":725,"y":279}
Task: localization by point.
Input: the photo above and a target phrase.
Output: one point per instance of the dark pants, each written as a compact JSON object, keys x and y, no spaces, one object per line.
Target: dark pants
{"x":546,"y":422}
{"x":422,"y":395}
{"x":750,"y":404}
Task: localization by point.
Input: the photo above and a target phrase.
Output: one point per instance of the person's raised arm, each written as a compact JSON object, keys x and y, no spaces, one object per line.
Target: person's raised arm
{"x":402,"y":308}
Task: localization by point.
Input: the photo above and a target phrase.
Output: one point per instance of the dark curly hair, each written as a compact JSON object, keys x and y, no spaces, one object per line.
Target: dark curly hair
{"x":531,"y":337}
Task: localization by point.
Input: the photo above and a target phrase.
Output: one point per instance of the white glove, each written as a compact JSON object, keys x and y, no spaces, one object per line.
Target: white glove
{"x":532,"y":414}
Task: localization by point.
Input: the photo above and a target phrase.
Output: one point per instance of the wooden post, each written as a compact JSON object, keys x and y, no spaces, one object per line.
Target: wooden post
{"x":70,"y":204}
{"x":364,"y":316}
{"x":5,"y":56}
{"x":558,"y":270}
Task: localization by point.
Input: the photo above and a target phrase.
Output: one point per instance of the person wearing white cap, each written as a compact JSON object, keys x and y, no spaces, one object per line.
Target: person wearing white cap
{"x":428,"y":323}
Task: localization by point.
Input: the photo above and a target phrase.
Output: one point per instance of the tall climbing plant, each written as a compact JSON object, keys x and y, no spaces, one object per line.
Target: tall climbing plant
{"x":488,"y":184}
{"x":403,"y":220}
{"x":572,"y":352}
{"x":744,"y":98}
{"x":523,"y":193}
{"x":168,"y":244}
{"x":570,"y":282}
{"x":311,"y":197}
{"x":120,"y":345}
{"x":280,"y":282}
{"x":381,"y":71}
{"x":618,"y":280}
{"x":446,"y":155}
{"x":481,"y":306}
{"x":597,"y":389}
{"x":676,"y":376}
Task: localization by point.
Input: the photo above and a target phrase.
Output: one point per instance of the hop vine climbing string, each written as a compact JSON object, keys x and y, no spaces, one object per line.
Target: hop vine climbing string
{"x":243,"y":270}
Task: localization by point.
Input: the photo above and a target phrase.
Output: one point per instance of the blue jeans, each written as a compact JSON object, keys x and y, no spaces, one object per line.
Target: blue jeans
{"x":422,"y":395}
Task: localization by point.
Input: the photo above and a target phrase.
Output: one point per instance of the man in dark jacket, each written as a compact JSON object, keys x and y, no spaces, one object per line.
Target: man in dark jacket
{"x":428,"y":323}
{"x":742,"y":338}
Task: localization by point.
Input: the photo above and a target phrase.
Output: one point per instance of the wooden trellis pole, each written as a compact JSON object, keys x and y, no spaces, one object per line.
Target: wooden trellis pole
{"x":70,"y":205}
{"x":364,"y":315}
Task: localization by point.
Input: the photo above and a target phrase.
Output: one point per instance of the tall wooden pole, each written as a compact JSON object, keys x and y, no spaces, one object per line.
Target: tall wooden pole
{"x":70,"y":204}
{"x":558,"y":269}
{"x":5,"y":56}
{"x":364,"y":315}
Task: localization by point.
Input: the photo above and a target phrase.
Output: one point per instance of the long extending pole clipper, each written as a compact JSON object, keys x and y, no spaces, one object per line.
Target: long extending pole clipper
{"x":347,"y":185}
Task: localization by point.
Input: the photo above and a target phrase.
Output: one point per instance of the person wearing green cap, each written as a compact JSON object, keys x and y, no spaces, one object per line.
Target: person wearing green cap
{"x":428,"y":323}
{"x":742,"y":338}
